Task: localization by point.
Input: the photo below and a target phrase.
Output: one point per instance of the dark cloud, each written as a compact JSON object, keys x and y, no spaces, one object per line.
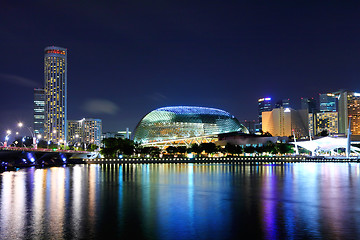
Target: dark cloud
{"x":18,"y":80}
{"x":101,"y":106}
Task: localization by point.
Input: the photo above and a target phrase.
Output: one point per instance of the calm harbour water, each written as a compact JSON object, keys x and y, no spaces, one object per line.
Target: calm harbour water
{"x":182,"y":201}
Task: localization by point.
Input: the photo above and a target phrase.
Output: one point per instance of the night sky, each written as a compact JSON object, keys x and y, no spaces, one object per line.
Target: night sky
{"x":126,"y":58}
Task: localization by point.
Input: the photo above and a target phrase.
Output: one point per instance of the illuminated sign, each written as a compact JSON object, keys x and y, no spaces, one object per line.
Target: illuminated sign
{"x":357,"y":94}
{"x":55,"y":51}
{"x":287,"y":110}
{"x":264,"y":99}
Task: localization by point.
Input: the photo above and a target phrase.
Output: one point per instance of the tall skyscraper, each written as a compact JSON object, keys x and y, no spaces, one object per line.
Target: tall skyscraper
{"x":285,"y":103}
{"x":309,"y":104}
{"x":349,"y":106}
{"x":285,"y":121}
{"x":39,"y":111}
{"x":328,"y":102}
{"x":264,"y":105}
{"x":55,"y":75}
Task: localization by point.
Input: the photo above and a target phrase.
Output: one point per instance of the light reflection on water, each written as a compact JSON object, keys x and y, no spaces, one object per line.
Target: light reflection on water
{"x":182,"y":201}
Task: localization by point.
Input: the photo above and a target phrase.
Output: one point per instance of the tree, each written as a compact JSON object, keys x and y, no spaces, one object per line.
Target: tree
{"x":209,"y":147}
{"x":260,"y":149}
{"x":249,"y":149}
{"x":115,"y":146}
{"x":283,"y":148}
{"x":171,"y":150}
{"x":324,"y":133}
{"x":269,"y":147}
{"x":230,"y":148}
{"x":196,"y":148}
{"x":181,"y":150}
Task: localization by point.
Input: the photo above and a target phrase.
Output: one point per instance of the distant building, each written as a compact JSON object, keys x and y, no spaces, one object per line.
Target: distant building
{"x":283,"y":121}
{"x":328,"y":102}
{"x":39,"y":111}
{"x":120,"y":134}
{"x":327,"y":121}
{"x":85,"y":131}
{"x":74,"y":132}
{"x":55,"y":75}
{"x":312,"y":124}
{"x":285,"y":103}
{"x":309,"y":104}
{"x":251,"y":126}
{"x":264,"y":105}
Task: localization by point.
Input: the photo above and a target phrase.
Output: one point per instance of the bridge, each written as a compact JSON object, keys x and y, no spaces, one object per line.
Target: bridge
{"x":24,"y":157}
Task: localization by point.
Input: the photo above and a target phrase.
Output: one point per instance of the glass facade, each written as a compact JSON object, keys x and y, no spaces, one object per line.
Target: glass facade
{"x":39,"y":111}
{"x":86,"y":130}
{"x":327,"y":121}
{"x":328,"y":102}
{"x":171,"y":123}
{"x":264,"y":105}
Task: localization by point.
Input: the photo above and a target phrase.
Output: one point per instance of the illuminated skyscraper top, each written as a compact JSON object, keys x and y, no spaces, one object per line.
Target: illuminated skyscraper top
{"x":328,"y":102}
{"x":264,"y":105}
{"x":55,"y":75}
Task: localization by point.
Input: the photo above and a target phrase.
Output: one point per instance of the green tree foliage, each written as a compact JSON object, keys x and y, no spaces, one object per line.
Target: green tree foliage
{"x":209,"y":147}
{"x":269,"y":147}
{"x":115,"y":146}
{"x":324,"y":133}
{"x":195,"y":148}
{"x":233,"y":149}
{"x":249,"y":149}
{"x":181,"y":150}
{"x":42,"y":144}
{"x":171,"y":150}
{"x":284,"y":148}
{"x":144,"y":151}
{"x":92,"y":147}
{"x":260,"y":149}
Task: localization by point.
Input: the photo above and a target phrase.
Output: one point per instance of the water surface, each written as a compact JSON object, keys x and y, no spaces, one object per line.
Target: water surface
{"x":182,"y":201}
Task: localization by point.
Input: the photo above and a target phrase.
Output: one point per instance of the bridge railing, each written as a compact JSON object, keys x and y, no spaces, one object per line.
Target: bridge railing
{"x":39,"y":149}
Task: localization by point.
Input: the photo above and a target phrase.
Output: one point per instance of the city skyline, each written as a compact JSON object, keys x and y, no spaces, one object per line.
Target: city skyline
{"x":170,"y":54}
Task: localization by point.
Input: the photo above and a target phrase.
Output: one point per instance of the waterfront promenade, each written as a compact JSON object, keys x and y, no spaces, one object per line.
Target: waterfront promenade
{"x":236,"y":160}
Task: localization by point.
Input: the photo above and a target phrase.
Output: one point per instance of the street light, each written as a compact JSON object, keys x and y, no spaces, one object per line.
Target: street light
{"x":32,"y":132}
{"x":23,"y":141}
{"x":8,"y":132}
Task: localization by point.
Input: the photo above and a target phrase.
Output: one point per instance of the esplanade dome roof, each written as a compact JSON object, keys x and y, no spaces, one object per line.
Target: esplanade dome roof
{"x":178,"y":122}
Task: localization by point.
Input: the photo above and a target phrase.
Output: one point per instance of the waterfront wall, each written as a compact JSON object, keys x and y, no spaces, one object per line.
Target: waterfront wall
{"x":280,"y":159}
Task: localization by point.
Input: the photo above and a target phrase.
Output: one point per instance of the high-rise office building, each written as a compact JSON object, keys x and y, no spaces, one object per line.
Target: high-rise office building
{"x":55,"y":75}
{"x":264,"y":105}
{"x":309,"y":104}
{"x":327,"y":121}
{"x":39,"y":111}
{"x":74,"y":134}
{"x":285,"y":103}
{"x":285,"y":121}
{"x":85,"y":131}
{"x":349,"y":106}
{"x":328,"y":102}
